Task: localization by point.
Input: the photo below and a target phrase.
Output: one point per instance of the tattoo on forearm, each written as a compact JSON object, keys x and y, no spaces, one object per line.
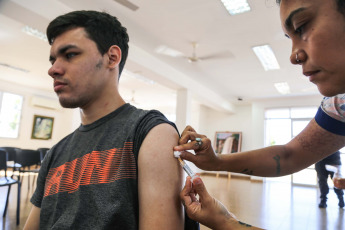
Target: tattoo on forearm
{"x":247,"y":171}
{"x":277,"y":159}
{"x":241,"y":223}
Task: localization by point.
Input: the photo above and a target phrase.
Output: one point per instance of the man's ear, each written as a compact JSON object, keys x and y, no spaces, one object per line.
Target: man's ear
{"x":114,"y":56}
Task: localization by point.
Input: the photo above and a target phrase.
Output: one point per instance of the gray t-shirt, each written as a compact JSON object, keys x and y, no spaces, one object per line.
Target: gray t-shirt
{"x":89,"y":180}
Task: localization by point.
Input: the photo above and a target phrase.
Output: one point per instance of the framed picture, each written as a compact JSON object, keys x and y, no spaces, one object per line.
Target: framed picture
{"x":42,"y":127}
{"x":228,"y":142}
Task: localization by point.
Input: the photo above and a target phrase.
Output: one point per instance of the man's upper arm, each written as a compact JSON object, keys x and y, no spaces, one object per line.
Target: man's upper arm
{"x":33,"y":221}
{"x":160,"y":181}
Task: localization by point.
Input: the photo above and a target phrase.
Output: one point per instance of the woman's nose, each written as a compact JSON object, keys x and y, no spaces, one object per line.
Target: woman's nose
{"x":297,"y":57}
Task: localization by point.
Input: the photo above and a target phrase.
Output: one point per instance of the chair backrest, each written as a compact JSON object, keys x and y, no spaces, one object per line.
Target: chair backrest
{"x":3,"y":160}
{"x":11,"y":152}
{"x":43,"y":152}
{"x":28,"y":157}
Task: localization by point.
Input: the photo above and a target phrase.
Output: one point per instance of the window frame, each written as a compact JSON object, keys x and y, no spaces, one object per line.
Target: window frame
{"x":292,"y":119}
{"x":18,"y":123}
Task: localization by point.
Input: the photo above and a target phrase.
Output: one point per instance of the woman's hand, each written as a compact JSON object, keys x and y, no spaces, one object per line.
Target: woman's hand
{"x":207,"y":210}
{"x":205,"y":157}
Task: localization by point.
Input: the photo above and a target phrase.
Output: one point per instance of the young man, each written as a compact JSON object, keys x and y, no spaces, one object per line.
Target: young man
{"x":117,"y":170}
{"x":317,"y":31}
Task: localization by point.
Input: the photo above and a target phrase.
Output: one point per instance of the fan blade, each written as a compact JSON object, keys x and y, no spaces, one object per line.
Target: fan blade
{"x":192,"y":59}
{"x":128,"y":4}
{"x":14,"y":67}
{"x":219,"y":55}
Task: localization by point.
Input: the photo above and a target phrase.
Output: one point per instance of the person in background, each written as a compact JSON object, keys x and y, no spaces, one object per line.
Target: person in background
{"x":115,"y":171}
{"x":316,"y":29}
{"x":322,"y":175}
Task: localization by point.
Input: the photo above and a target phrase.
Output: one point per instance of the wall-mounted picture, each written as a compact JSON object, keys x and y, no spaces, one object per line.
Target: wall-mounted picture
{"x":42,"y":127}
{"x":228,"y":142}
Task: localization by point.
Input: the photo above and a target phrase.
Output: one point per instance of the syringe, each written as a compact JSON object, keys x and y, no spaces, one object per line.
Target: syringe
{"x":184,"y":165}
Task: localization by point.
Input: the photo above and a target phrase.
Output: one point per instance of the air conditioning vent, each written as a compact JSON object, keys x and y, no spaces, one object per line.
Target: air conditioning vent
{"x":46,"y":103}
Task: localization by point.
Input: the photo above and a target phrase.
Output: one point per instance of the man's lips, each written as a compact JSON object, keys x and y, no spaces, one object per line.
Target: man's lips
{"x":58,"y":85}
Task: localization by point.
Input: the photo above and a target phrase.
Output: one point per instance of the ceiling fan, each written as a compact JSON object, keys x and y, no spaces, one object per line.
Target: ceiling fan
{"x":14,"y":67}
{"x":128,"y":4}
{"x":193,"y":57}
{"x":132,"y":101}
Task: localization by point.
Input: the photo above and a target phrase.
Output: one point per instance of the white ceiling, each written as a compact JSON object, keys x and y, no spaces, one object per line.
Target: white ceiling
{"x":175,"y":24}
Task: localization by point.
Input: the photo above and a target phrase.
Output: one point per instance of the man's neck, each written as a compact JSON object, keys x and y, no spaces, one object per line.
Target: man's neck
{"x":94,"y":112}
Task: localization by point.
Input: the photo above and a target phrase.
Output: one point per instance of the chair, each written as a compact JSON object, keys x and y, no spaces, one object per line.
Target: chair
{"x":8,"y":181}
{"x":43,"y":152}
{"x":11,"y":162}
{"x":28,"y":158}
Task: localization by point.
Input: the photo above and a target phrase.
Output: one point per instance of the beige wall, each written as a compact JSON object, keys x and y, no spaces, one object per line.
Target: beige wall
{"x":65,"y":120}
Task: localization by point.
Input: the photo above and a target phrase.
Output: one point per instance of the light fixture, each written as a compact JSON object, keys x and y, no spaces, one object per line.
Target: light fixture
{"x":266,"y":57}
{"x":282,"y":87}
{"x":36,"y":33}
{"x":236,"y":6}
{"x":168,"y":51}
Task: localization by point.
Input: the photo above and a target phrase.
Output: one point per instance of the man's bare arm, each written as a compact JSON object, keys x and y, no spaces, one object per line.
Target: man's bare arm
{"x":160,"y":181}
{"x":33,"y":221}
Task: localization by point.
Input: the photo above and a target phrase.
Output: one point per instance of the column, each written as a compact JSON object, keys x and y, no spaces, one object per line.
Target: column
{"x":183,"y":108}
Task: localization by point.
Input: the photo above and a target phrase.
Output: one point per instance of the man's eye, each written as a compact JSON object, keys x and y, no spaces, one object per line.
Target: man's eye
{"x":70,"y":55}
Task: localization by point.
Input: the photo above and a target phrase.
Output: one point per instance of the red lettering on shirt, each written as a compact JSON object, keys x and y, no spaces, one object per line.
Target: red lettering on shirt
{"x":97,"y":167}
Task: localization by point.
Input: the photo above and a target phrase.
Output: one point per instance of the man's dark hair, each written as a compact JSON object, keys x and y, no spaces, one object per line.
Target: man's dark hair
{"x":340,"y":4}
{"x":105,"y":30}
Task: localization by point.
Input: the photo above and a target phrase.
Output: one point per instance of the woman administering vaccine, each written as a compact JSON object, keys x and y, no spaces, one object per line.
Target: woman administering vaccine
{"x":316,"y":29}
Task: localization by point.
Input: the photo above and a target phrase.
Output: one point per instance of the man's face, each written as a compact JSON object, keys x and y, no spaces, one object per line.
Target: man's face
{"x":77,"y":69}
{"x":317,"y":31}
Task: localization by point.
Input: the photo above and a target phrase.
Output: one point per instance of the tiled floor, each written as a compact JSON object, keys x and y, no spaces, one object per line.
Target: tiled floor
{"x":270,"y":205}
{"x":9,"y":222}
{"x":276,"y":205}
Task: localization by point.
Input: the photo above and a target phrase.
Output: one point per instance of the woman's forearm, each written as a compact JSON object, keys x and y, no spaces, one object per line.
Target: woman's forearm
{"x":267,"y":162}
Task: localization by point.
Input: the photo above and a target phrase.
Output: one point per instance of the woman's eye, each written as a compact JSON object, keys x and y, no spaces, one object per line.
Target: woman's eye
{"x":300,"y":30}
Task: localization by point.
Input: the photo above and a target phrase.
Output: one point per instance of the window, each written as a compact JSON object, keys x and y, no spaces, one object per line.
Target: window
{"x":283,"y":124}
{"x":10,"y":111}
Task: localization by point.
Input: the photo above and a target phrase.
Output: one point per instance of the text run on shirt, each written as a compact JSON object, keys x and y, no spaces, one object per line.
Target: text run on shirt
{"x":97,"y":167}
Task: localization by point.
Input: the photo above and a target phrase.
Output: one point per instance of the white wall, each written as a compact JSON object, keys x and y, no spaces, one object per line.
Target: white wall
{"x":248,"y":119}
{"x":212,"y":121}
{"x":65,"y":120}
{"x":258,"y":112}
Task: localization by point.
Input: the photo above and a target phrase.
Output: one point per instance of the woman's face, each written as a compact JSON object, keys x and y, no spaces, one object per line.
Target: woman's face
{"x":317,"y":31}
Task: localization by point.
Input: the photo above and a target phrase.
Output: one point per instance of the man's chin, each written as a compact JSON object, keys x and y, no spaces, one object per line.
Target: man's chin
{"x":68,"y":104}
